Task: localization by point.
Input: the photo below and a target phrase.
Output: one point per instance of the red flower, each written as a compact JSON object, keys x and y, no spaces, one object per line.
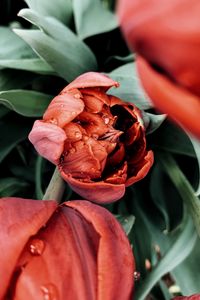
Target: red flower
{"x":166,"y":34}
{"x":97,"y":140}
{"x":193,"y":297}
{"x":74,"y":251}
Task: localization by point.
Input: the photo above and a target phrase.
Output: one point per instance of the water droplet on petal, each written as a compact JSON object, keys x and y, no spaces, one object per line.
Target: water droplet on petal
{"x":106,"y":120}
{"x":49,"y":292}
{"x":36,"y":247}
{"x":77,"y":96}
{"x":53,"y":121}
{"x":62,"y":106}
{"x":94,"y":136}
{"x":73,"y":113}
{"x":77,"y":134}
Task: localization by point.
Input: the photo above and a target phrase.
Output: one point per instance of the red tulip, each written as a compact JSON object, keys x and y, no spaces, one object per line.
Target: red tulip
{"x":193,"y":297}
{"x":74,"y":251}
{"x":97,"y":140}
{"x":166,"y":35}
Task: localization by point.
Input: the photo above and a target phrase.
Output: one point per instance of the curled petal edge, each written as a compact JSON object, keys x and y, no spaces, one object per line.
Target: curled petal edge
{"x":98,"y":192}
{"x":91,"y":79}
{"x":182,"y":106}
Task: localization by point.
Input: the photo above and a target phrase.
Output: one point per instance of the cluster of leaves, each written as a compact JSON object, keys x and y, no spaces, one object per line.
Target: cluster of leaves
{"x":46,"y":46}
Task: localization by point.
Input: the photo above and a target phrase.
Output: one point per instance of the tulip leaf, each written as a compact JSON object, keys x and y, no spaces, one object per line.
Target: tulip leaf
{"x":196,"y":146}
{"x":57,"y":45}
{"x":127,"y":222}
{"x":26,"y":103}
{"x":12,"y":47}
{"x":187,"y":274}
{"x":183,"y":187}
{"x":130,"y":88}
{"x":173,"y":139}
{"x":36,"y":65}
{"x":15,"y":133}
{"x":10,"y":186}
{"x":181,"y":248}
{"x":60,"y":9}
{"x":152,"y":122}
{"x":13,"y":79}
{"x":92,"y":18}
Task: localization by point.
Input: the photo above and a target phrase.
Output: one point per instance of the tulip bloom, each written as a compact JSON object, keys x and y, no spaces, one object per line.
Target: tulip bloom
{"x":165,"y":34}
{"x":74,"y":251}
{"x":193,"y":297}
{"x":97,"y":140}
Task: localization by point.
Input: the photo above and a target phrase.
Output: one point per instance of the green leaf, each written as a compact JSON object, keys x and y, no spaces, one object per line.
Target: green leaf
{"x":175,"y":255}
{"x":36,"y":65}
{"x":127,"y":222}
{"x":26,"y":103}
{"x":12,"y":47}
{"x":173,"y":139}
{"x":57,"y":45}
{"x":130,"y":88}
{"x":12,"y":79}
{"x":59,"y":9}
{"x":92,"y":18}
{"x":183,"y":187}
{"x":10,"y":186}
{"x":187,"y":274}
{"x":152,"y":122}
{"x":15,"y":133}
{"x":196,"y":146}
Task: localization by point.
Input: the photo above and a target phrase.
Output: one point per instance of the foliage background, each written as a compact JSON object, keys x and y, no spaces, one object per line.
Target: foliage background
{"x":44,"y":47}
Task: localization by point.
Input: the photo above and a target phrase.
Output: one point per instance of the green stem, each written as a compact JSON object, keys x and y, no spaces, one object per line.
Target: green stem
{"x":183,"y":187}
{"x":55,"y":188}
{"x":39,"y":192}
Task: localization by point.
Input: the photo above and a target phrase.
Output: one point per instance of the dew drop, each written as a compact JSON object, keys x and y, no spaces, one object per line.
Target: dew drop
{"x":77,"y":96}
{"x":94,"y":136}
{"x":73,"y":113}
{"x":77,"y":134}
{"x":106,"y":120}
{"x":62,"y":106}
{"x":49,"y":292}
{"x":36,"y":247}
{"x":53,"y":121}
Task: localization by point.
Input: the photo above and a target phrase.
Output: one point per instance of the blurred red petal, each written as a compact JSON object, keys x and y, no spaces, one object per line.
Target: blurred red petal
{"x":182,"y":106}
{"x":82,"y":243}
{"x":99,"y":192}
{"x":175,"y":22}
{"x":64,"y":108}
{"x":91,"y":79}
{"x":48,"y":139}
{"x":20,"y":219}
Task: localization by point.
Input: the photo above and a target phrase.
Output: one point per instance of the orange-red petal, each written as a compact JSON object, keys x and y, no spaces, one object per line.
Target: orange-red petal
{"x":64,"y":108}
{"x":182,"y":106}
{"x":91,"y":79}
{"x":193,"y":297}
{"x":85,"y":254}
{"x":99,"y":192}
{"x":20,"y":219}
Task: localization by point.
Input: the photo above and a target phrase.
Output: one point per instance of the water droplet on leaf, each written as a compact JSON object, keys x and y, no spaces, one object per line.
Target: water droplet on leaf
{"x":36,"y":247}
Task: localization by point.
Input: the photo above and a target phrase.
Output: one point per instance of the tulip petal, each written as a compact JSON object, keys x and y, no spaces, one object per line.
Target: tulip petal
{"x":91,"y":79}
{"x":141,"y":169}
{"x":82,"y":243}
{"x":16,"y":229}
{"x":64,"y":108}
{"x":114,"y":253}
{"x":99,"y":192}
{"x":48,"y":139}
{"x":94,"y":99}
{"x":182,"y":106}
